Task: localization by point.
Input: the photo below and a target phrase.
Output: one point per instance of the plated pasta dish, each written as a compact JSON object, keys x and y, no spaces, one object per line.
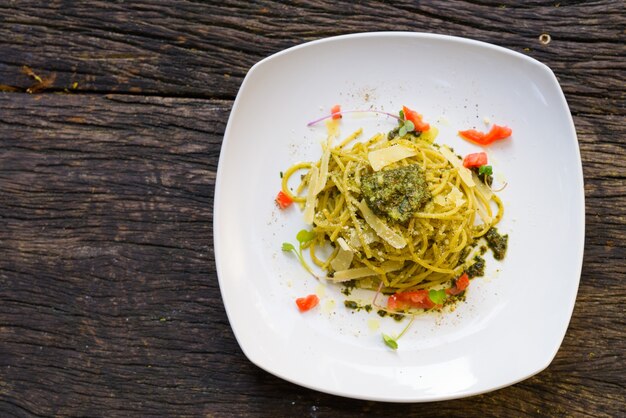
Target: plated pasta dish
{"x":398,"y":213}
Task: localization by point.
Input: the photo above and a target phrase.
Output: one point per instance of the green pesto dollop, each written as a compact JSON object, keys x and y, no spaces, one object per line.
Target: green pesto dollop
{"x":497,"y":243}
{"x":396,"y":194}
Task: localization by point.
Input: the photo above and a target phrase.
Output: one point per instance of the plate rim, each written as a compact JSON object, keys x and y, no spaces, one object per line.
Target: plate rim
{"x":580,"y":195}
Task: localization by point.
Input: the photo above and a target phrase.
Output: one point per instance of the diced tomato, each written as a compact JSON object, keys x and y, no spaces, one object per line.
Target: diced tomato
{"x":335,"y":111}
{"x":412,"y":299}
{"x":475,"y":160}
{"x":461,"y":284}
{"x":473,"y":135}
{"x":416,"y":118}
{"x":283,"y":201}
{"x":307,"y":303}
{"x":496,"y":133}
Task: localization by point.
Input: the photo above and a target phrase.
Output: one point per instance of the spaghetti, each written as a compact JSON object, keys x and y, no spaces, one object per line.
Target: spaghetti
{"x":398,"y":211}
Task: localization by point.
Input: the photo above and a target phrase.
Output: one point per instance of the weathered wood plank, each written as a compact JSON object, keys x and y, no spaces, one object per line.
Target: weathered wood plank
{"x":196,"y":49}
{"x":109,"y":303}
{"x":107,"y":284}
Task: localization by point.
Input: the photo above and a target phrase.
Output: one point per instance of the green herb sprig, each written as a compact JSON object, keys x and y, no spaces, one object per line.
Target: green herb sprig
{"x":438,"y":297}
{"x":393,"y":342}
{"x":485,"y":170}
{"x":303,"y":238}
{"x":406,"y":126}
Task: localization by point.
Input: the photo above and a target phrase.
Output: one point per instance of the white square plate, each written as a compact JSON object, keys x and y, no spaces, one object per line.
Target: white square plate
{"x":514,"y":319}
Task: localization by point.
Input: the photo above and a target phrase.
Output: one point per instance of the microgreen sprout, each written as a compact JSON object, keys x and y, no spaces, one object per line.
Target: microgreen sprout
{"x":406,"y":127}
{"x":390,"y":342}
{"x":393,"y":342}
{"x":380,"y":112}
{"x":485,"y":170}
{"x":303,"y":238}
{"x":438,"y":297}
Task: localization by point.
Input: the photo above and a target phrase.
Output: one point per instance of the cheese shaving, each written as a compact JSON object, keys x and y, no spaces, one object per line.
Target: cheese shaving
{"x":466,"y":175}
{"x":357,"y":273}
{"x":323,"y":174}
{"x":343,"y":244}
{"x":309,"y":206}
{"x":383,"y":157}
{"x":343,"y":260}
{"x":392,"y":237}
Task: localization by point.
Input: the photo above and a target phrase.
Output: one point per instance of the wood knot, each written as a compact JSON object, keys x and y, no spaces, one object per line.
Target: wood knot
{"x":545,"y":38}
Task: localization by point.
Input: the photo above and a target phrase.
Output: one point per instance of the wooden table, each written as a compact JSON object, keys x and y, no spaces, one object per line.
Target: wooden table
{"x":109,"y":301}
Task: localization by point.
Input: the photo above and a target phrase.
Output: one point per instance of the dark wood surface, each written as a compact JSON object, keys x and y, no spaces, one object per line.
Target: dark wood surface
{"x":109,"y":301}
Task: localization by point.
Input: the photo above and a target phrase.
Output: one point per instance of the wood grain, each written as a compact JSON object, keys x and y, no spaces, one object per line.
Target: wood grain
{"x":109,"y":302}
{"x":205,"y":49}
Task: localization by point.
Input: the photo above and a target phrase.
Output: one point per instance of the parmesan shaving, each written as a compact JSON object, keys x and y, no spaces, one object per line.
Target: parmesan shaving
{"x":440,"y":200}
{"x":359,"y":272}
{"x":383,"y":157}
{"x":456,"y":196}
{"x":323,"y":174}
{"x":309,"y":205}
{"x":369,"y":236}
{"x":466,"y":175}
{"x":482,"y":188}
{"x":484,"y":215}
{"x":392,"y":237}
{"x":453,"y":198}
{"x":343,"y":244}
{"x":342,"y":260}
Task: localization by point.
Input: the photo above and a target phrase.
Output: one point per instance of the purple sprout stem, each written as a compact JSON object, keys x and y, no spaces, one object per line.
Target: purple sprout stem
{"x":352,"y":111}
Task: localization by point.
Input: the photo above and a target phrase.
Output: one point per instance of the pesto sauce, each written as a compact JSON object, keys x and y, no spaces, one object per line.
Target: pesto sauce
{"x":396,"y":194}
{"x":397,"y":317}
{"x":350,"y":304}
{"x":477,"y":269}
{"x":348,"y":287}
{"x":497,"y":243}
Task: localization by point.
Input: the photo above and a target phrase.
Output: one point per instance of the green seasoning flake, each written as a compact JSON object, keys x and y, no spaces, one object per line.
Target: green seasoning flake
{"x":348,"y":287}
{"x":397,"y":317}
{"x":350,"y":304}
{"x":477,"y":269}
{"x":497,"y":243}
{"x":397,"y":193}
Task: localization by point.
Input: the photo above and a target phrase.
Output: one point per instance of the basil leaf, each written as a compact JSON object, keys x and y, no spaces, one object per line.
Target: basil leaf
{"x":437,"y":296}
{"x":485,"y":169}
